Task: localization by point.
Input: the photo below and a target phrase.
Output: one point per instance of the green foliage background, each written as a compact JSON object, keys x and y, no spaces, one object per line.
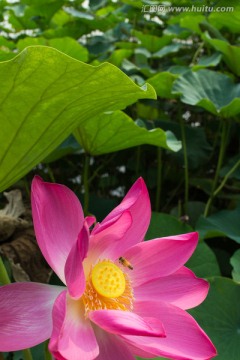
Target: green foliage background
{"x":94,"y":96}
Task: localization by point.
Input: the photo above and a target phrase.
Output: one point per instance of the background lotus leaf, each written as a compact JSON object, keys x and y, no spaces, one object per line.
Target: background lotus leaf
{"x":223,"y":223}
{"x":230,"y":53}
{"x":204,"y":88}
{"x":109,"y":132}
{"x":219,"y":316}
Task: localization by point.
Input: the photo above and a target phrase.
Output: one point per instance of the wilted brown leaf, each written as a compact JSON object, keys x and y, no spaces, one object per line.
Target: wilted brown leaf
{"x":18,"y":243}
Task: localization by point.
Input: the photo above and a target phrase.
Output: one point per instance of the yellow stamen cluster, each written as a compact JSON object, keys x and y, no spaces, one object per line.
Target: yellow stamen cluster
{"x":107,"y":287}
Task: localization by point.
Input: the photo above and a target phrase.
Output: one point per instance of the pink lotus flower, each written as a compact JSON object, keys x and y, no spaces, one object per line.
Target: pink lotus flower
{"x":110,"y":308}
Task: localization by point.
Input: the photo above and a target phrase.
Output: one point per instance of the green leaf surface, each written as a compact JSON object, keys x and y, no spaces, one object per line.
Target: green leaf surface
{"x":205,"y":26}
{"x":224,"y":223}
{"x":205,"y":89}
{"x":119,"y":55}
{"x":229,"y":165}
{"x":177,"y":31}
{"x":151,"y":42}
{"x":219,"y":316}
{"x":208,"y":61}
{"x":192,"y":22}
{"x":235,"y":262}
{"x":146,"y":111}
{"x":165,"y":225}
{"x":66,"y":45}
{"x":6,"y":48}
{"x":203,"y":262}
{"x":162,"y":83}
{"x":178,"y":69}
{"x":35,"y":15}
{"x":231,"y":53}
{"x":45,"y":95}
{"x":229,"y":20}
{"x":167,"y":50}
{"x":109,"y":132}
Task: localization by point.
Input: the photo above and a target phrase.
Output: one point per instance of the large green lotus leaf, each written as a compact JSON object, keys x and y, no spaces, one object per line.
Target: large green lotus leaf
{"x":219,"y":316}
{"x":205,"y":89}
{"x":165,"y":225}
{"x":235,"y":262}
{"x":231,"y":54}
{"x":66,"y":45}
{"x":109,"y":132}
{"x":45,"y":95}
{"x":223,"y":223}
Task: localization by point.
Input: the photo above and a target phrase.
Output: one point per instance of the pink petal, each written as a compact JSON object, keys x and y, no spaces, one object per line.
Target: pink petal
{"x":58,"y":315}
{"x":126,"y":323}
{"x":90,"y":220}
{"x":111,"y":347}
{"x":181,"y":288}
{"x":72,"y":337}
{"x":109,"y":242}
{"x":25,"y":314}
{"x":74,"y":272}
{"x":160,"y":257}
{"x":137,"y":203}
{"x":136,"y":350}
{"x":58,"y":219}
{"x":184,"y":340}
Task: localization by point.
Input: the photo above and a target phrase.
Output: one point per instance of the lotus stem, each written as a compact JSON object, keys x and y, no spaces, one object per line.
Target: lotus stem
{"x":27,"y":354}
{"x":219,"y":165}
{"x":186,"y":178}
{"x":230,"y":172}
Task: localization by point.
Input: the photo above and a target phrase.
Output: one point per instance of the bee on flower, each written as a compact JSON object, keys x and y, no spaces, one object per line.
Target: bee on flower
{"x":125,"y":263}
